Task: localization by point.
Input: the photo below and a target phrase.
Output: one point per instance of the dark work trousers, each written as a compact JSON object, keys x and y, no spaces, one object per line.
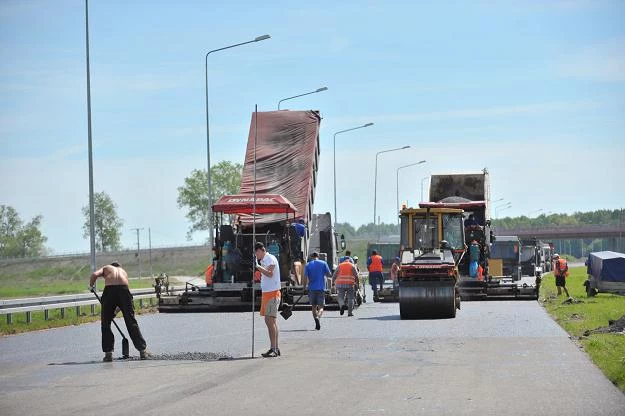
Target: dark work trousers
{"x":113,"y":297}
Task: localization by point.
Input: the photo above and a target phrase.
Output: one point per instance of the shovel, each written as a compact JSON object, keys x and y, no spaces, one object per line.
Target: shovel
{"x":125,"y":344}
{"x":287,"y":310}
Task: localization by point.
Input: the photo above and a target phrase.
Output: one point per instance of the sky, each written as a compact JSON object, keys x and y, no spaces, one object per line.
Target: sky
{"x":534,"y":91}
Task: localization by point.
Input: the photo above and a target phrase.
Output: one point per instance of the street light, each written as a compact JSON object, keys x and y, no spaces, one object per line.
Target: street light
{"x":301,"y":95}
{"x":375,"y":178}
{"x":208,"y":147}
{"x":535,"y":212}
{"x":334,"y":145}
{"x":398,"y":169}
{"x":501,"y":208}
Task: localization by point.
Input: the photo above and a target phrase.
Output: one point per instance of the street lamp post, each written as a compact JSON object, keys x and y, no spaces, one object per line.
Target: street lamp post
{"x":398,"y":169}
{"x":334,"y":150}
{"x":208,"y":147}
{"x":301,"y":95}
{"x":501,"y":208}
{"x":90,"y":146}
{"x":375,"y":178}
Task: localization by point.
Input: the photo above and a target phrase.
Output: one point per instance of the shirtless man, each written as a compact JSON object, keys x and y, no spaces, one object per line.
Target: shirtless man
{"x":116,"y":294}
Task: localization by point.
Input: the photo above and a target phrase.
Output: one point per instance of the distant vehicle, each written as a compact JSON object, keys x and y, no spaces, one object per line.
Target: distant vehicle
{"x":507,"y":278}
{"x":505,"y":257}
{"x":606,"y":273}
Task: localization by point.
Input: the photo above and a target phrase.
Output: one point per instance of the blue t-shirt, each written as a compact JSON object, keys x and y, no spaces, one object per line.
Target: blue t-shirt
{"x":300,"y":229}
{"x":316,"y":270}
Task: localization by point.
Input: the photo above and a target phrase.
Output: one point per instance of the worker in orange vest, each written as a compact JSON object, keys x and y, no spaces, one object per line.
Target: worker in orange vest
{"x":375,"y":264}
{"x":346,"y":280}
{"x":209,"y":274}
{"x":560,"y":271}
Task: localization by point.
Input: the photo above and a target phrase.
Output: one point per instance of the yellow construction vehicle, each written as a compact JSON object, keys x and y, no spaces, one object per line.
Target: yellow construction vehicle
{"x":432,"y":246}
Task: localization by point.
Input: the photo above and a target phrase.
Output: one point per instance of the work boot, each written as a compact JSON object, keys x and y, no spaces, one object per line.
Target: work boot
{"x":108,"y":357}
{"x":350,"y":313}
{"x":317,"y":324}
{"x":342,"y":310}
{"x":145,"y":354}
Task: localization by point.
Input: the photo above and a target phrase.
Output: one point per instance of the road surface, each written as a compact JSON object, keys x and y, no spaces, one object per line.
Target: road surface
{"x":495,"y":358}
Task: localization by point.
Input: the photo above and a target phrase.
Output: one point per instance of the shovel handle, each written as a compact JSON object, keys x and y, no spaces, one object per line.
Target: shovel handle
{"x":113,"y":320}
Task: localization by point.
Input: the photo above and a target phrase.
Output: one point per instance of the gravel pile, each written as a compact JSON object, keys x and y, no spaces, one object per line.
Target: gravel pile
{"x":190,"y":356}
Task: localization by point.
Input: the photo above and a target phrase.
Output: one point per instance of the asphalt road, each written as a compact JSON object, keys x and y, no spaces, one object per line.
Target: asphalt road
{"x":495,"y":358}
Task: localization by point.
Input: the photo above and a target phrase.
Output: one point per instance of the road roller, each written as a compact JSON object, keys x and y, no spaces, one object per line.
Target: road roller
{"x":432,"y":243}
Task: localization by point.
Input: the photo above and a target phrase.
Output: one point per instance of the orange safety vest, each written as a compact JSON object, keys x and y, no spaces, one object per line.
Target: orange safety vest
{"x":345,"y":275}
{"x":209,"y":275}
{"x":561,"y":267}
{"x":376,"y":263}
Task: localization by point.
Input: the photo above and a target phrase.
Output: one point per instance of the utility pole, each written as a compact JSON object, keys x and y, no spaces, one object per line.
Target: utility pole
{"x":150,"y":250}
{"x":138,"y":249}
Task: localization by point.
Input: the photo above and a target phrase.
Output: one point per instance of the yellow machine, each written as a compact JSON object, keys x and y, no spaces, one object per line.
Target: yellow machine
{"x":432,"y":245}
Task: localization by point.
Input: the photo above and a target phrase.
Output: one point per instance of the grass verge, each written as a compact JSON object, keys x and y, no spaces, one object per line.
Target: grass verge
{"x":55,"y":320}
{"x":607,"y":351}
{"x":28,"y":288}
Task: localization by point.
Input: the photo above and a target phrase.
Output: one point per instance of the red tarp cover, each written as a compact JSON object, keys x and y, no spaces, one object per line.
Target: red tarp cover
{"x":287,"y":146}
{"x":469,"y":205}
{"x":244,"y":204}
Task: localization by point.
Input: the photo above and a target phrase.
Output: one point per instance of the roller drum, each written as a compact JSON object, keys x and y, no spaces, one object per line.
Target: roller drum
{"x":427,"y":299}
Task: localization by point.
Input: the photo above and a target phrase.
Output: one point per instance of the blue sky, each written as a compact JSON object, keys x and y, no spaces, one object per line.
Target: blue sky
{"x":535,"y":91}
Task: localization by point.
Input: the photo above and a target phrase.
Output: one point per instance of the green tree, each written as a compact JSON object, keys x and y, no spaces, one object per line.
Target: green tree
{"x":18,"y":239}
{"x":225,"y":180}
{"x":107,"y":223}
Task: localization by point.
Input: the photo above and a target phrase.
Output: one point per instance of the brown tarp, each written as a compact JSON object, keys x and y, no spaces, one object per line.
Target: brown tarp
{"x":287,"y":157}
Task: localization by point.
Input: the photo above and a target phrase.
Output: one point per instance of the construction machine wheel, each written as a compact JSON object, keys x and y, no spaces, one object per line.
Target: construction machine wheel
{"x":427,"y":299}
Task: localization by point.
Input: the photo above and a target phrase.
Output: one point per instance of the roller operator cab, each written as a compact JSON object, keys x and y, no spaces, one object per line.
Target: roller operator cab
{"x":432,"y":245}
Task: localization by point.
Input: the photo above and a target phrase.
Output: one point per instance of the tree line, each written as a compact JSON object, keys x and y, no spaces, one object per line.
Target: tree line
{"x":25,"y":239}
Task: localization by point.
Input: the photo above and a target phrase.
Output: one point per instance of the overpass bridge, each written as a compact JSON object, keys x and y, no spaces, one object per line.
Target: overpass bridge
{"x":566,"y":232}
{"x":611,"y":236}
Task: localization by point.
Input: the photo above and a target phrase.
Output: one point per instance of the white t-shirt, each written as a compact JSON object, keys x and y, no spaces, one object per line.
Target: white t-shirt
{"x":270,"y":284}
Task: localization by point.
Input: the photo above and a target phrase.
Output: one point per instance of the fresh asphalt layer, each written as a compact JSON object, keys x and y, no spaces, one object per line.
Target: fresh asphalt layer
{"x":494,"y":358}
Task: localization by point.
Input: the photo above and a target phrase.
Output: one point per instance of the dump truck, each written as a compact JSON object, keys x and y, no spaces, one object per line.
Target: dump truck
{"x":276,"y":199}
{"x":432,"y":241}
{"x":469,"y":192}
{"x":513,"y":268}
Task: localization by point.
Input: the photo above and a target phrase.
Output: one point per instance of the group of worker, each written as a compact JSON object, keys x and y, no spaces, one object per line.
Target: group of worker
{"x":117,"y":295}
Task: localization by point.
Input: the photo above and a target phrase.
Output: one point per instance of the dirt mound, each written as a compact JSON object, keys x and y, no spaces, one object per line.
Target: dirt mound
{"x":617,"y":326}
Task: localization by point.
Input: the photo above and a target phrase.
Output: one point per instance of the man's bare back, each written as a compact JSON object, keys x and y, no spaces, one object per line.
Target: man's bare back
{"x":113,"y":275}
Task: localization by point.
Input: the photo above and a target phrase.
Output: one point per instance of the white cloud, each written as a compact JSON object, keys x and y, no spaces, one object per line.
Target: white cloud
{"x":600,"y":62}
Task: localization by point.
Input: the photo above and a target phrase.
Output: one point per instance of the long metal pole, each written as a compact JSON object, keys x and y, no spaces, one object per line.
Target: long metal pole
{"x":334,"y":163}
{"x":138,"y":250}
{"x":90,"y":145}
{"x":211,"y":235}
{"x":397,"y":195}
{"x":301,"y":95}
{"x":150,"y":250}
{"x":254,"y":227}
{"x":375,"y":179}
{"x":398,"y":169}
